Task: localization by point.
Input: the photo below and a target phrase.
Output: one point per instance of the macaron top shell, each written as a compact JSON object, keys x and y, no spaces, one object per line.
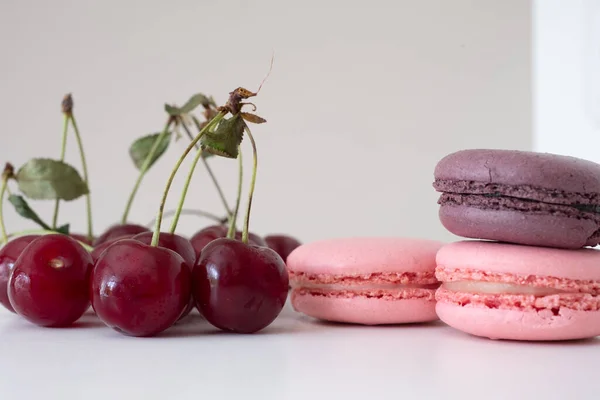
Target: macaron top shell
{"x":581,"y":264}
{"x":349,"y":256}
{"x":512,"y":167}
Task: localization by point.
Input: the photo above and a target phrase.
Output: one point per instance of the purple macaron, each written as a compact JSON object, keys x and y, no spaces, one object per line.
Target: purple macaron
{"x":529,"y":198}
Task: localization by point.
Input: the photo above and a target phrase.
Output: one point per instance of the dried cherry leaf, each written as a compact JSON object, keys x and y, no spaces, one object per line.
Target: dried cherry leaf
{"x":226,"y":138}
{"x":141,"y":148}
{"x":255,"y":119}
{"x":207,"y":154}
{"x":46,"y":179}
{"x":23,"y":209}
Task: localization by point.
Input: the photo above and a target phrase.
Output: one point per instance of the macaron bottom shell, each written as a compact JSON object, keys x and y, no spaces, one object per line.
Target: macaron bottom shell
{"x":542,"y":325}
{"x":521,"y":227}
{"x":364,"y":310}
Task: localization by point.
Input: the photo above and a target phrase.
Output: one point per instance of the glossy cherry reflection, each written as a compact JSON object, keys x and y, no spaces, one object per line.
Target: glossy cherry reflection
{"x":8,"y":255}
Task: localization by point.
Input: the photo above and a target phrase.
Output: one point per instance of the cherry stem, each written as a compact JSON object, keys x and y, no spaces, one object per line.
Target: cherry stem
{"x":191,"y":146}
{"x":86,"y":179}
{"x":252,"y":183}
{"x":2,"y":192}
{"x":144,"y":168}
{"x":62,"y":158}
{"x":210,"y":172}
{"x":189,"y":211}
{"x":186,"y":186}
{"x":233,"y":221}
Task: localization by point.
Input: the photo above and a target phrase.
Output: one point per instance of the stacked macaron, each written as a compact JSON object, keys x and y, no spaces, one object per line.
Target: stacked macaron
{"x":528,"y":276}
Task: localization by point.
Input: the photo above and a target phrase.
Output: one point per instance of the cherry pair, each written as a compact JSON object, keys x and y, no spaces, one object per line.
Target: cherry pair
{"x":46,"y":279}
{"x":237,"y":287}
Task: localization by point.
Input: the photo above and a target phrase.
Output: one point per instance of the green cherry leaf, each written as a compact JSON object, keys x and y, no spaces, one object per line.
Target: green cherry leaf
{"x":46,"y":179}
{"x":64,"y":229}
{"x":189,"y":106}
{"x":172,"y":110}
{"x":139,"y":150}
{"x":193,"y":102}
{"x":226,"y":138}
{"x":23,"y":209}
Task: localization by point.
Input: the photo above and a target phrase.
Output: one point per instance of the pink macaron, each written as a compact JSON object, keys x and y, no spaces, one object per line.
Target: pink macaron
{"x":367,"y":281}
{"x":507,"y":291}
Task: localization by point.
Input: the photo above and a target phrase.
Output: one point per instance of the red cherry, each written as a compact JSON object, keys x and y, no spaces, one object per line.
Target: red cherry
{"x":140,"y":290}
{"x":212,"y":232}
{"x":206,"y":235}
{"x":238,"y":287}
{"x":81,"y":238}
{"x":99,"y":249}
{"x":282,"y":244}
{"x":49,"y":285}
{"x":253,"y":239}
{"x":179,"y":245}
{"x":116,"y":231}
{"x":171,"y":241}
{"x":8,"y":255}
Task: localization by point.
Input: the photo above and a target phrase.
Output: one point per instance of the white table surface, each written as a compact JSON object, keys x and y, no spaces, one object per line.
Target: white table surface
{"x":295,"y":358}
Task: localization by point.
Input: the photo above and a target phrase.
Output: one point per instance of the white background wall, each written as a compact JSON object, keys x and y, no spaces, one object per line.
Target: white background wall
{"x":364,"y":98}
{"x":567,"y":77}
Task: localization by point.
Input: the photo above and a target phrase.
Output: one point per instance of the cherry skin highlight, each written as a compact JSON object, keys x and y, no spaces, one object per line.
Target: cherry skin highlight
{"x":140,"y":290}
{"x":239,"y":288}
{"x":116,"y":231}
{"x":282,"y":244}
{"x":8,"y":255}
{"x":49,"y":285}
{"x":179,"y":245}
{"x":212,"y":232}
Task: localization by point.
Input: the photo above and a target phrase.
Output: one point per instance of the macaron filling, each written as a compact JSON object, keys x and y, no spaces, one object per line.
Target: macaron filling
{"x":499,"y":288}
{"x":479,"y":282}
{"x":584,"y":202}
{"x":363,"y":286}
{"x":378,"y":280}
{"x":495,"y":290}
{"x":498,"y":201}
{"x":376,"y":285}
